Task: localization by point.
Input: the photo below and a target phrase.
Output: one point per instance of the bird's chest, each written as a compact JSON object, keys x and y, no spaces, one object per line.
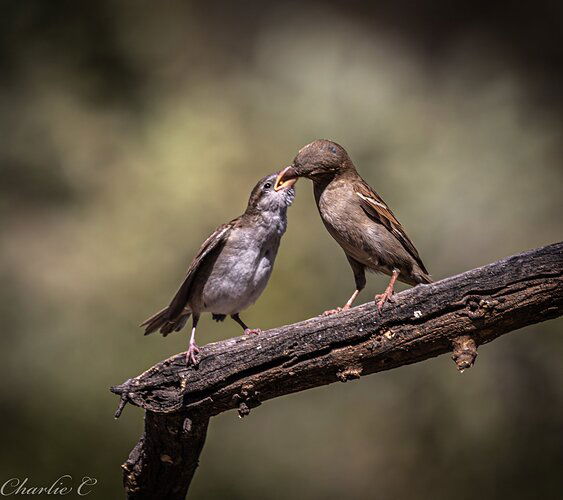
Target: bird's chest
{"x":253,"y":264}
{"x":344,"y":219}
{"x":336,"y":206}
{"x":241,"y":272}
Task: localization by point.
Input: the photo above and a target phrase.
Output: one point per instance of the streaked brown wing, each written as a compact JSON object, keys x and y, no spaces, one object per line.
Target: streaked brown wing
{"x":378,"y":210}
{"x":209,"y":247}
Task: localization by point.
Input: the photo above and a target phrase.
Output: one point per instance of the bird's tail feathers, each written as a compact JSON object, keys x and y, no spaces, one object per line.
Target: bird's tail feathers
{"x":162,"y":321}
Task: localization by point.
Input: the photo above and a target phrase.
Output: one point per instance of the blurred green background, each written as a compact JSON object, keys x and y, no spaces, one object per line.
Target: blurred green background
{"x":130,"y":129}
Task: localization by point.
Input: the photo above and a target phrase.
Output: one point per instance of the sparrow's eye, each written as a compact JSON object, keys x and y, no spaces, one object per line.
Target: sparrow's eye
{"x":268,"y":185}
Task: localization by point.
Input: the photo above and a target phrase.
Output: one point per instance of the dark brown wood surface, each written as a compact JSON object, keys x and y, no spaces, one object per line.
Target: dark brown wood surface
{"x":455,"y":314}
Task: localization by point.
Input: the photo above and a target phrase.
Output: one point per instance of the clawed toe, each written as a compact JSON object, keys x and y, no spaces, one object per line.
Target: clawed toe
{"x":191,"y":355}
{"x":252,"y":331}
{"x":330,"y":312}
{"x":380,"y":299}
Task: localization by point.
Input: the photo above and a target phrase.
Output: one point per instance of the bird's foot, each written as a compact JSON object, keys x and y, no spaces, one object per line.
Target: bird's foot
{"x":381,"y":298}
{"x":252,"y":331}
{"x":191,"y":359}
{"x":330,"y":312}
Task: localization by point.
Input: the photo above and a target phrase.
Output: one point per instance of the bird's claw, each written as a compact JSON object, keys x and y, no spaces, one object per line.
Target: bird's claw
{"x":191,"y":359}
{"x":381,"y":298}
{"x":330,"y":312}
{"x":252,"y":331}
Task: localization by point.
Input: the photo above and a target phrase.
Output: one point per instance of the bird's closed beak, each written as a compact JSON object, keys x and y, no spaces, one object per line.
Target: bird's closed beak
{"x":286,"y":178}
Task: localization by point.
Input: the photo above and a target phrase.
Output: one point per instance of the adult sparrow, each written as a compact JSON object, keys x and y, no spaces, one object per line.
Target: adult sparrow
{"x":232,"y":267}
{"x":357,"y":218}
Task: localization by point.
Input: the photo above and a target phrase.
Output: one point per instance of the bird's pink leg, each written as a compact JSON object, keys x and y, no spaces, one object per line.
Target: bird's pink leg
{"x":193,"y":349}
{"x":247,"y":330}
{"x":345,"y":307}
{"x":380,"y":299}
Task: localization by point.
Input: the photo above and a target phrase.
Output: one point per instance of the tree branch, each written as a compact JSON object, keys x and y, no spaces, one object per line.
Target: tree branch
{"x":457,"y":313}
{"x":164,"y":461}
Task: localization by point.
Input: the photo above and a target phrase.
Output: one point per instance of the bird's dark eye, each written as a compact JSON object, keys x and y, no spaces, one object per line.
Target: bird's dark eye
{"x":268,"y":185}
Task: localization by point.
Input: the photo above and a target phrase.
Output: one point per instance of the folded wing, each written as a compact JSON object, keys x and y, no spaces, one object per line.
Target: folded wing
{"x":174,"y":316}
{"x":378,"y":211}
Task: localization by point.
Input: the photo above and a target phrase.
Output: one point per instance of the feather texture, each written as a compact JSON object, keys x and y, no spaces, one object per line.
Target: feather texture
{"x":374,"y":206}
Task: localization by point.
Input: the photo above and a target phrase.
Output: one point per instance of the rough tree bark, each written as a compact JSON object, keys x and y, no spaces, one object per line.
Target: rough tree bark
{"x":456,"y":314}
{"x":163,"y":462}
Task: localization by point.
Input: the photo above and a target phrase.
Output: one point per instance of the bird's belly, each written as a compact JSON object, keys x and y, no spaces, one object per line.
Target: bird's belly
{"x":236,"y":283}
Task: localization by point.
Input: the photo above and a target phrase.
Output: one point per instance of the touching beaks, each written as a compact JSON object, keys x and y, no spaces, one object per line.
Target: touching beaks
{"x":286,"y":178}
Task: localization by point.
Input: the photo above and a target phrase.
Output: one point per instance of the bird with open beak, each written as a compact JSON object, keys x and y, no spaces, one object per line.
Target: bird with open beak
{"x":357,"y":218}
{"x":232,"y":267}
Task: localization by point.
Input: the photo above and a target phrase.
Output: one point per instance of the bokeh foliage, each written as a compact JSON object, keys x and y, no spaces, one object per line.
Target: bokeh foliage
{"x":129,"y":130}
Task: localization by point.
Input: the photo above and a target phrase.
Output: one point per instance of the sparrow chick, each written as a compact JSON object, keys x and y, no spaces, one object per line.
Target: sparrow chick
{"x":357,"y":218}
{"x":232,"y":267}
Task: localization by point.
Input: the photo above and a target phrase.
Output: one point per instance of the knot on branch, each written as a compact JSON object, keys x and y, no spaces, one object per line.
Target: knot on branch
{"x":350,"y":373}
{"x":478,"y":307}
{"x":246,"y":399}
{"x":464,"y":353}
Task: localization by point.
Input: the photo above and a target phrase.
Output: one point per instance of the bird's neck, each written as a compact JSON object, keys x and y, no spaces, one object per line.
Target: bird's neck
{"x":322,"y":183}
{"x":274,"y":221}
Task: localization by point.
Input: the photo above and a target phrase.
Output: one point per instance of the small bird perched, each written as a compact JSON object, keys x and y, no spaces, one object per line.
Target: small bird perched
{"x":357,"y":218}
{"x":232,"y":267}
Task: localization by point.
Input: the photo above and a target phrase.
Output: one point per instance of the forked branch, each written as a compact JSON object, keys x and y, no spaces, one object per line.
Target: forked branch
{"x":456,"y":314}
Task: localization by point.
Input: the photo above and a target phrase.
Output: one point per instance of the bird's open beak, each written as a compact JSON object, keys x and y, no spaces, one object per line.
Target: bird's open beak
{"x":286,"y":178}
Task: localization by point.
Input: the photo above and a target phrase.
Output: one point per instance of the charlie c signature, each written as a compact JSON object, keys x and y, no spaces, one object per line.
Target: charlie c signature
{"x":63,"y":485}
